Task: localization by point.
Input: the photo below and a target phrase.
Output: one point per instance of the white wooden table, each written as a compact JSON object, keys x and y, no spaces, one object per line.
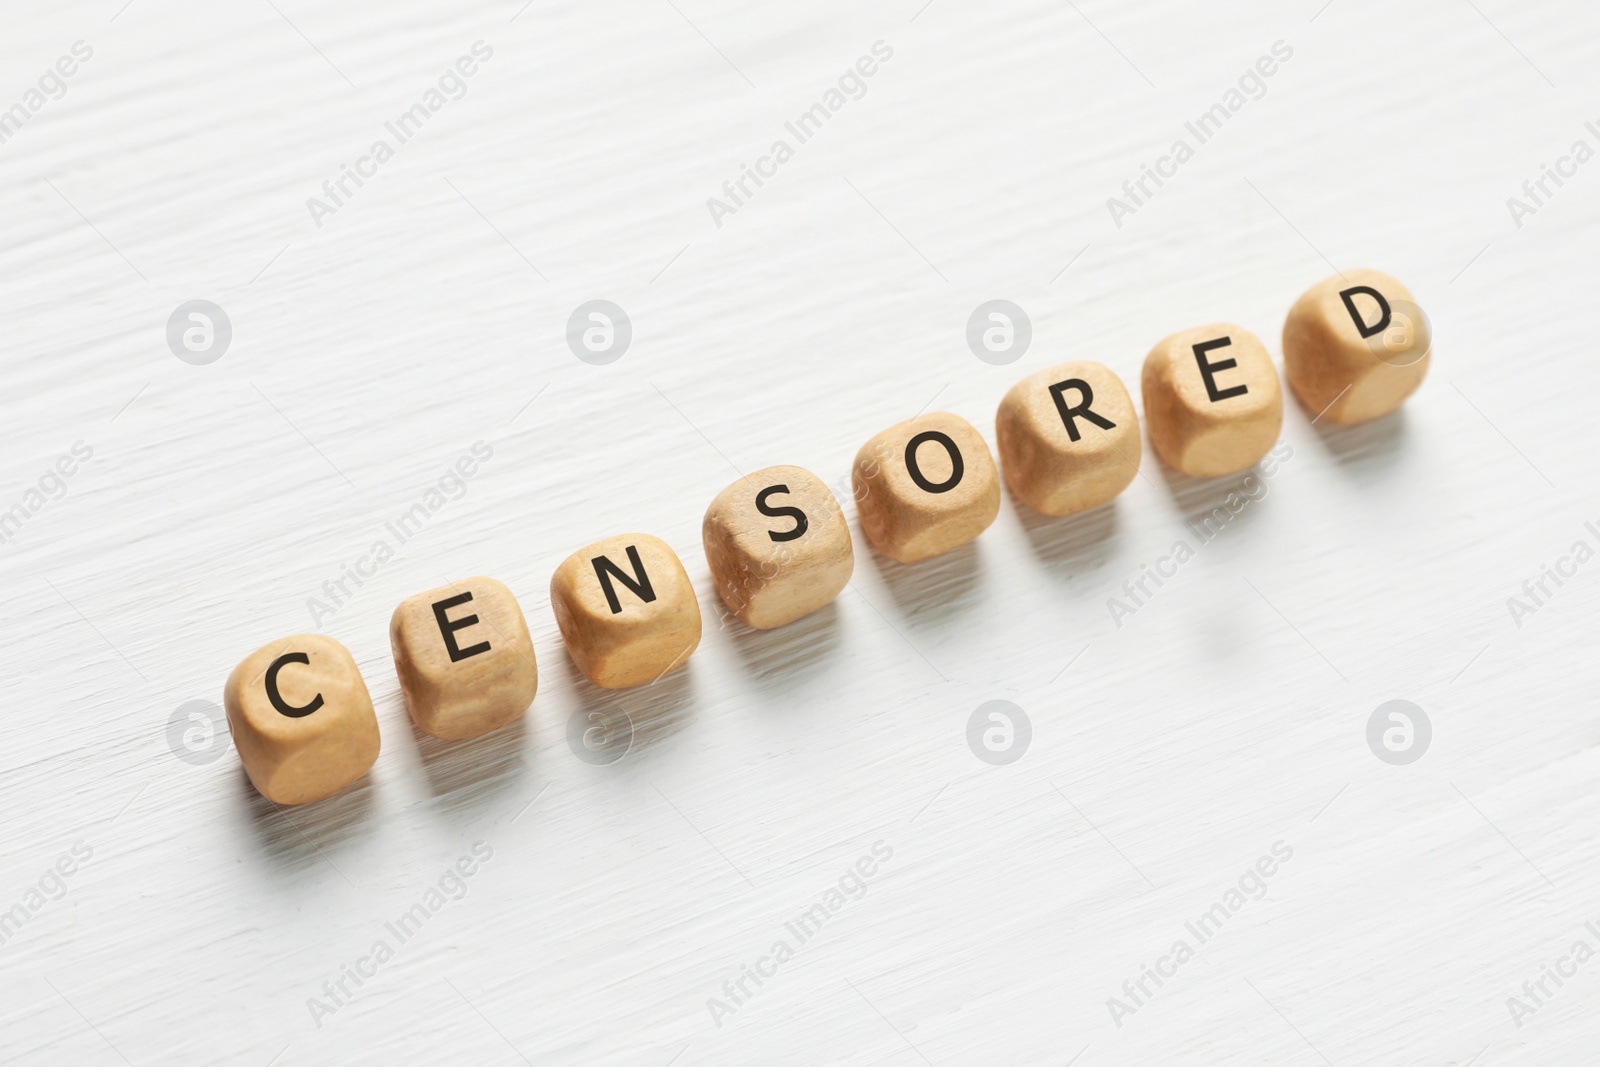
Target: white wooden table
{"x":377,"y":338}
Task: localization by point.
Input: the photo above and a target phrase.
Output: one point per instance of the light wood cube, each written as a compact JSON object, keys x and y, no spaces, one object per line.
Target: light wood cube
{"x":464,"y":658}
{"x":301,"y":718}
{"x":925,"y":486}
{"x":1211,"y":400}
{"x":778,"y":545}
{"x":626,"y":610}
{"x":1069,"y":438}
{"x":1355,"y":346}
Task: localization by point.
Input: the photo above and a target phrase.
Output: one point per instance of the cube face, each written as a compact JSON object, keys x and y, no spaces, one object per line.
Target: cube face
{"x":778,"y":546}
{"x":1069,"y":438}
{"x":464,"y":657}
{"x":627,"y":611}
{"x":925,"y":486}
{"x":1211,"y":400}
{"x":301,"y":718}
{"x":1355,"y":346}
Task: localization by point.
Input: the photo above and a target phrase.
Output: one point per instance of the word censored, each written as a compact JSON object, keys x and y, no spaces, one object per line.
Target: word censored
{"x":779,"y":547}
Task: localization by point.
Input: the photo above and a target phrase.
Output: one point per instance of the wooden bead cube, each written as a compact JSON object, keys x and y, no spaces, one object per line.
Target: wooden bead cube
{"x":925,"y":486}
{"x":1355,"y":346}
{"x":464,"y":658}
{"x":1211,"y":400}
{"x":626,"y":610}
{"x":778,"y":545}
{"x":301,"y":718}
{"x":1069,"y":438}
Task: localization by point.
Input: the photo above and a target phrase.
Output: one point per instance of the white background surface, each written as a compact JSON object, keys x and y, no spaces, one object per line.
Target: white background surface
{"x":430,"y":310}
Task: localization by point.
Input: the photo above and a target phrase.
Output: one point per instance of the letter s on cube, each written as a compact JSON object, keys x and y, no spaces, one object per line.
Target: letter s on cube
{"x":301,"y":718}
{"x":778,"y":546}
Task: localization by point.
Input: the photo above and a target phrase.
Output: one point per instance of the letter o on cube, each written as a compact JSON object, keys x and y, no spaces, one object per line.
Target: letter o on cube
{"x":1211,"y":400}
{"x":1069,"y":438}
{"x":1355,"y":346}
{"x":925,"y":486}
{"x":301,"y":718}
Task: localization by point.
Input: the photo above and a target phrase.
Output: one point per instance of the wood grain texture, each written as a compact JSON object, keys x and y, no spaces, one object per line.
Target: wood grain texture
{"x":925,"y":487}
{"x":183,"y":919}
{"x":469,"y":673}
{"x":1213,"y":404}
{"x":777,"y":545}
{"x":1347,"y":372}
{"x":1068,"y":438}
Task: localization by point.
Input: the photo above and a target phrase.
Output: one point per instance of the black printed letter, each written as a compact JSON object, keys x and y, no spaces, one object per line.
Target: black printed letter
{"x":1069,"y":414}
{"x":956,"y":466}
{"x":1384,"y":314}
{"x":285,"y":708}
{"x":448,"y":628}
{"x":638,"y":583}
{"x":1208,"y":370}
{"x":801,"y":523}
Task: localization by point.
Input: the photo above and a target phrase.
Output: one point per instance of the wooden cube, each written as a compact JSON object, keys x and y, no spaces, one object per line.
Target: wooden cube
{"x":925,"y":486}
{"x":1069,"y":438}
{"x":626,"y":610}
{"x":464,"y":658}
{"x":301,"y":718}
{"x":1355,"y":346}
{"x":1211,"y":400}
{"x":778,"y":545}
